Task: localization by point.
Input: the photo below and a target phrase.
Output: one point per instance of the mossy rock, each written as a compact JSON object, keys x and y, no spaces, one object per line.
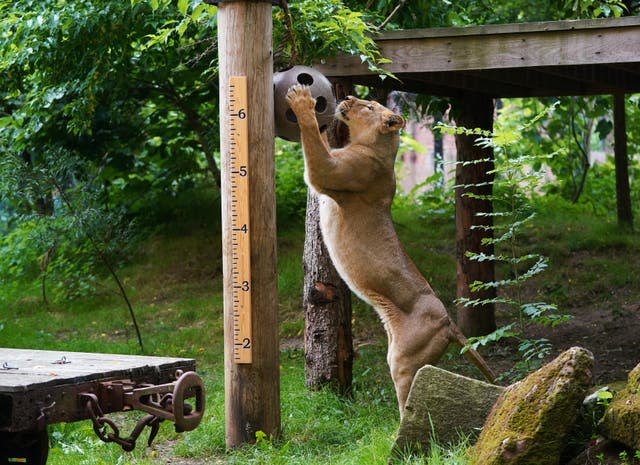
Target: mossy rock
{"x":621,"y":421}
{"x":442,"y":406}
{"x":529,"y":422}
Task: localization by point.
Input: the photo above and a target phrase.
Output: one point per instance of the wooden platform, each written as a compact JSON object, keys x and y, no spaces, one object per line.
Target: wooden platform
{"x":37,"y":381}
{"x":578,"y":57}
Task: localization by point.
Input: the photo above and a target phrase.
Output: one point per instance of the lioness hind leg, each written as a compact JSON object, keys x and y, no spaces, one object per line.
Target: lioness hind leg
{"x":402,"y":373}
{"x":408,"y":355}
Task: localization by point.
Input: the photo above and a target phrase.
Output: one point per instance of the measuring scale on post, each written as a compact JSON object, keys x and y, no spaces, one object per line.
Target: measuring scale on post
{"x":240,"y":226}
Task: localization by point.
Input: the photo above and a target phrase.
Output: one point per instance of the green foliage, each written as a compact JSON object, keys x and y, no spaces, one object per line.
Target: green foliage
{"x":51,"y":241}
{"x":105,"y":112}
{"x":93,"y":79}
{"x":572,"y":129}
{"x":291,"y":190}
{"x":599,"y":8}
{"x":577,"y":127}
{"x":426,"y":200}
{"x":426,"y":13}
{"x":517,"y":178}
{"x":323,"y":29}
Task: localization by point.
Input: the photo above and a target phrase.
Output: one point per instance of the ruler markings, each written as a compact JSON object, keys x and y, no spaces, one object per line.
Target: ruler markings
{"x":240,"y":225}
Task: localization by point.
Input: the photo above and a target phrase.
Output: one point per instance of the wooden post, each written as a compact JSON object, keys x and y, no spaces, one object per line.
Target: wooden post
{"x":623,"y":194}
{"x":328,"y":344}
{"x":476,"y":111}
{"x":252,"y":390}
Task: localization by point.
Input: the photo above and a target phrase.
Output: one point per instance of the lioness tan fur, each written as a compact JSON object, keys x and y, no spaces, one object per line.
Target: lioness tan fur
{"x":356,"y":185}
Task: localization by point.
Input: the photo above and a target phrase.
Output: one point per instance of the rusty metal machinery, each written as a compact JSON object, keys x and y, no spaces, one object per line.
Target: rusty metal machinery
{"x":39,"y":388}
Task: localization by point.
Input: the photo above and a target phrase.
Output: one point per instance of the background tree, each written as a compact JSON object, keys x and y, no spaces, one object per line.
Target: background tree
{"x":103,"y":106}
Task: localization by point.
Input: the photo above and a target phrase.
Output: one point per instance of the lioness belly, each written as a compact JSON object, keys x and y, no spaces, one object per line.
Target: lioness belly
{"x":335,"y":233}
{"x":368,"y":256}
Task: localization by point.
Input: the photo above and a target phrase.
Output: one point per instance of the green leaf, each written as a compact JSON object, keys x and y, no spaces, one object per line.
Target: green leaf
{"x":198,"y":10}
{"x":478,"y":341}
{"x":182,"y":27}
{"x":183,"y":6}
{"x":604,"y":395}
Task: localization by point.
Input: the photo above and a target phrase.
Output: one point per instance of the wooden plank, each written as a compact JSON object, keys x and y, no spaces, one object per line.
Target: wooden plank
{"x":26,"y":369}
{"x":500,"y":47}
{"x":240,"y":220}
{"x":489,"y":29}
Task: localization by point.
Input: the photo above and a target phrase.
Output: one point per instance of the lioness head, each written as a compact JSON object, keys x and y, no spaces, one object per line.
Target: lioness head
{"x":367,"y":118}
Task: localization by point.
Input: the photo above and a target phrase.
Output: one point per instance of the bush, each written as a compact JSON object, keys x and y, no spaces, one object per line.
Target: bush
{"x":291,"y":190}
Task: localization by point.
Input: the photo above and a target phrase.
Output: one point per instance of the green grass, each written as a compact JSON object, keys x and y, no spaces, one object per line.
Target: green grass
{"x":174,"y":283}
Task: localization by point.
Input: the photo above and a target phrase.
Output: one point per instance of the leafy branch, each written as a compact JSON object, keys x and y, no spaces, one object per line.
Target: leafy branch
{"x":102,"y":255}
{"x":324,"y":29}
{"x":516,"y":179}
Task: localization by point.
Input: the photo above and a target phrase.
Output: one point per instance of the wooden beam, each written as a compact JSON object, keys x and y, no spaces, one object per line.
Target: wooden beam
{"x":560,"y":43}
{"x":514,"y":28}
{"x":252,"y":390}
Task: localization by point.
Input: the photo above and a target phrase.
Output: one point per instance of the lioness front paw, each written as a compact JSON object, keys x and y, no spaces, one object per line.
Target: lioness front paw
{"x":300,"y":100}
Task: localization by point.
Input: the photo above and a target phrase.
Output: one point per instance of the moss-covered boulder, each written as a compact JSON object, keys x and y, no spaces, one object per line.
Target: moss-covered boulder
{"x":441,"y":406}
{"x":530,"y":420}
{"x":621,"y":421}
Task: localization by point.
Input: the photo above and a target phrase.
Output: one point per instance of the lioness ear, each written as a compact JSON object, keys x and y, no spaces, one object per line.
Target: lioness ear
{"x":392,"y":123}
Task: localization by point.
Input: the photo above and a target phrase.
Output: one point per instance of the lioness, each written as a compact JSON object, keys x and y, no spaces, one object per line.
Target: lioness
{"x":356,"y":185}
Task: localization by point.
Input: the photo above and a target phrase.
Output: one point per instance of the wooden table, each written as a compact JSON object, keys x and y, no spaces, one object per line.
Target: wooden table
{"x":39,"y":387}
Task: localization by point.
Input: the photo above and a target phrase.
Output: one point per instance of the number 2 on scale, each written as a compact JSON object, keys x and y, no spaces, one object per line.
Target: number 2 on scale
{"x":240,"y":226}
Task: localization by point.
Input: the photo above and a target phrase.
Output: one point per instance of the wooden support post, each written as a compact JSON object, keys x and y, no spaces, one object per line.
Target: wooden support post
{"x":475,"y":111}
{"x":252,"y":390}
{"x":623,"y":194}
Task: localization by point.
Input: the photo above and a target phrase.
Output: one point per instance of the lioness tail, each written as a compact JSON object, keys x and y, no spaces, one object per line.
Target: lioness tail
{"x":473,"y":356}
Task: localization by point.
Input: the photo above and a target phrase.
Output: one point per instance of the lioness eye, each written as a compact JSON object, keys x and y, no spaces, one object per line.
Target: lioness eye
{"x":370,"y":107}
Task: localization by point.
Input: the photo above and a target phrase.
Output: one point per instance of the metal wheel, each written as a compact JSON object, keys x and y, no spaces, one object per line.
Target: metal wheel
{"x":30,"y":447}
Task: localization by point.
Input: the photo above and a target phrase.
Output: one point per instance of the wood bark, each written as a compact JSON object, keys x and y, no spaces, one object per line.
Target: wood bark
{"x":252,"y":391}
{"x":327,"y":299}
{"x":623,"y":194}
{"x":475,"y":111}
{"x":327,"y":309}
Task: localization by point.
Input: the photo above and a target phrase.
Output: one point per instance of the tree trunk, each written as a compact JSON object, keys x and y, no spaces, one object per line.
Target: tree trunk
{"x":476,"y":112}
{"x":327,"y":304}
{"x":327,"y":299}
{"x":623,"y":195}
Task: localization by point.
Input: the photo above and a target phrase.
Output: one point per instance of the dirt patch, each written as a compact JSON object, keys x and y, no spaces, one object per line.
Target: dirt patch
{"x":612,"y":337}
{"x":601,"y":291}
